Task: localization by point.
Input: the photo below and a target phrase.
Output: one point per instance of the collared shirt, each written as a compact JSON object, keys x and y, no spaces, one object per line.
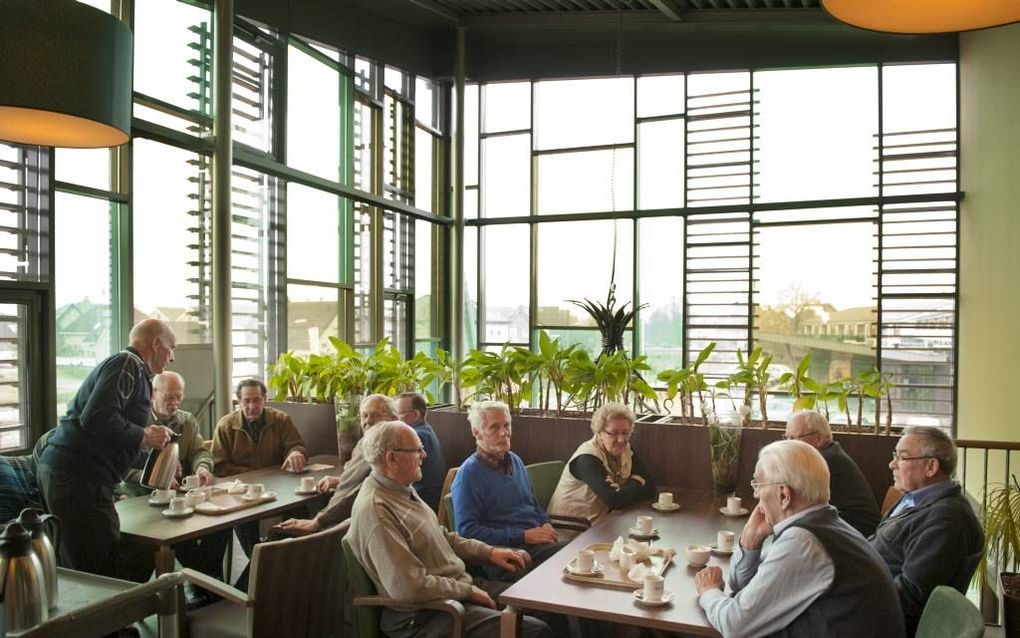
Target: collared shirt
{"x":254,"y":428}
{"x":771,"y":591}
{"x":500,"y":463}
{"x":393,"y":485}
{"x":917,"y":497}
{"x":170,"y":423}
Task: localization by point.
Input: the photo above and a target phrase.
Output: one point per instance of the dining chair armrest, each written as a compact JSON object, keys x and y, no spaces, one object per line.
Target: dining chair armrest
{"x":217,"y":587}
{"x":449,"y":606}
{"x":569,"y":522}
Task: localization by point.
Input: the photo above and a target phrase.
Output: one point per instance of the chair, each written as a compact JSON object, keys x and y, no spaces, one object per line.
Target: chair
{"x":545,"y":476}
{"x":948,"y":614}
{"x":892,"y":496}
{"x":293,"y":591}
{"x":449,"y":512}
{"x":444,"y":510}
{"x":368,"y":603}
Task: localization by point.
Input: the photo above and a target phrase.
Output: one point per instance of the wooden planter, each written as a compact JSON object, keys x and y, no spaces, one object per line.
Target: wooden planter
{"x":676,"y":455}
{"x":1009,"y":591}
{"x":315,"y":422}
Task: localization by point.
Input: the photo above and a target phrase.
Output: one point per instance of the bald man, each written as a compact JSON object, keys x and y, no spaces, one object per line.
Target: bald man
{"x":95,"y":444}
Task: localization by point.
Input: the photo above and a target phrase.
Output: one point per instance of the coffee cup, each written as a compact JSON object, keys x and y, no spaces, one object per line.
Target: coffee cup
{"x":627,"y":558}
{"x":190,"y":482}
{"x":194,"y":497}
{"x":585,"y":560}
{"x":307,"y":483}
{"x":644,"y":524}
{"x":255,"y":490}
{"x":734,"y":504}
{"x":653,"y":588}
{"x":178,"y":504}
{"x":697,"y":555}
{"x":724,"y":540}
{"x":665,"y":499}
{"x":162,"y":496}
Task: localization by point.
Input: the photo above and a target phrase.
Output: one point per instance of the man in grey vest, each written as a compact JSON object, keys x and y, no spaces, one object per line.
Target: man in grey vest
{"x":819,"y":577}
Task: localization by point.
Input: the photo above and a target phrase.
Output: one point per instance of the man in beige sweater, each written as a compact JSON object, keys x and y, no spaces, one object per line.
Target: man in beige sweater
{"x":410,"y":558}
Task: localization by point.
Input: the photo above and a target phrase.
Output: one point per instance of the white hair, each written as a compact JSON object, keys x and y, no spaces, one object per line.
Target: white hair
{"x":382,"y":438}
{"x":476,"y":414}
{"x":799,"y":466}
{"x":159,"y":381}
{"x":390,"y":404}
{"x":814,"y":421}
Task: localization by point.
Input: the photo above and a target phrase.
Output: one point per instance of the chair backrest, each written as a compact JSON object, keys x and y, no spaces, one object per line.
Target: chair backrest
{"x":948,"y":614}
{"x":366,"y":617}
{"x":892,"y":496}
{"x":443,"y":514}
{"x":545,"y":477}
{"x":297,"y":584}
{"x":451,"y":514}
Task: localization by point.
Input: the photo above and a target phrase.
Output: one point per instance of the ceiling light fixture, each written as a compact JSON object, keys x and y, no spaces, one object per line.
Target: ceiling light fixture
{"x":924,"y":16}
{"x":65,"y":75}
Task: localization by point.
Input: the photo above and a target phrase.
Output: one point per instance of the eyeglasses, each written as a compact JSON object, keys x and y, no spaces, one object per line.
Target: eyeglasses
{"x":798,"y":437}
{"x":616,"y":435}
{"x":900,"y":459}
{"x":417,"y":450}
{"x":755,"y":485}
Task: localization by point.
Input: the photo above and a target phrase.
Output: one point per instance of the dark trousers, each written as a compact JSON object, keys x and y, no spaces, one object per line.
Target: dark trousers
{"x":89,"y":525}
{"x":479,"y":622}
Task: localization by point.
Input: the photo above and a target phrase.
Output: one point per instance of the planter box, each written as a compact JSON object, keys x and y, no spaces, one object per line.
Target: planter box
{"x":676,"y":455}
{"x":315,"y":422}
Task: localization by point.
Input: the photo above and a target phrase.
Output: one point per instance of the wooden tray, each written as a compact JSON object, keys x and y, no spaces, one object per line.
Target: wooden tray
{"x":226,"y":503}
{"x":613,"y":576}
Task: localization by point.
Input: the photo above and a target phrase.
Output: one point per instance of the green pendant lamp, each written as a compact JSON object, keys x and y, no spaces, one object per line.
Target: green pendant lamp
{"x":65,"y":75}
{"x":924,"y":16}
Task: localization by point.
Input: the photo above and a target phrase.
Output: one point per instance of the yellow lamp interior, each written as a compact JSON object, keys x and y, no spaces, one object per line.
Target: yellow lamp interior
{"x":46,"y":128}
{"x":924,"y":16}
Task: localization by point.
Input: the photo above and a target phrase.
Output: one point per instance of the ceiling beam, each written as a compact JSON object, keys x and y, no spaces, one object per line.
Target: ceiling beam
{"x":784,"y":17}
{"x":668,"y":9}
{"x":438,"y":9}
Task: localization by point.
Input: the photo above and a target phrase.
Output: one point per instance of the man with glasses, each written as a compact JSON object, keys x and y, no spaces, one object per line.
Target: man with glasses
{"x":819,"y":577}
{"x":412,"y":409}
{"x":493,"y":498}
{"x":850,"y":492}
{"x":409,"y":557}
{"x":931,"y":536}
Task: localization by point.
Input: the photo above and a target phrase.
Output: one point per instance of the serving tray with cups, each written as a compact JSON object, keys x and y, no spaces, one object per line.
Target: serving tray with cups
{"x":226,"y":503}
{"x":611,"y":575}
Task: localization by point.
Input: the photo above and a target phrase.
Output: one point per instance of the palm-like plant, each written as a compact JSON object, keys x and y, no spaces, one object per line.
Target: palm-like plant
{"x":611,"y":321}
{"x":1002,"y":526}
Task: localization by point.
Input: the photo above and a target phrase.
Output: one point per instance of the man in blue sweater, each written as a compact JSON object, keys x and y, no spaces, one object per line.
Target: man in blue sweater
{"x":411,"y":409}
{"x":493,"y":498}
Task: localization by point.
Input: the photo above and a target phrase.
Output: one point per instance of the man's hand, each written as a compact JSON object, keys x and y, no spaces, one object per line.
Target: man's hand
{"x":205,"y":477}
{"x":708,"y":578}
{"x":756,"y":530}
{"x":327,"y":484}
{"x":507,"y":559}
{"x":301,"y":525}
{"x":155,"y":437}
{"x":479,"y":597}
{"x":540,"y":535}
{"x":295,"y":462}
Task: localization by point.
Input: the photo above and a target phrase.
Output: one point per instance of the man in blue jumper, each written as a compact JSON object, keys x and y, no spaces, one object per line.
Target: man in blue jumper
{"x":411,"y":409}
{"x":493,"y":498}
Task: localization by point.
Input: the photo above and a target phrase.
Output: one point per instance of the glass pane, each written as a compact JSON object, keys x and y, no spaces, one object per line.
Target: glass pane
{"x":82,"y":289}
{"x":816,"y":133}
{"x":313,"y":234}
{"x":364,"y":146}
{"x":660,"y":95}
{"x":585,"y":181}
{"x":396,"y":80}
{"x":172,"y":40}
{"x":253,"y":79}
{"x":252,"y":206}
{"x":423,"y":326}
{"x":506,"y":106}
{"x":84,"y":166}
{"x":506,"y":277}
{"x":423,"y":150}
{"x":425,"y":94}
{"x":471,"y":135}
{"x":312,"y":317}
{"x":719,"y":107}
{"x":14,"y":388}
{"x":661,"y":164}
{"x":172,"y":234}
{"x":506,"y":176}
{"x":588,"y":339}
{"x":661,"y":287}
{"x":571,"y":113}
{"x":470,"y":288}
{"x":562,"y":249}
{"x":313,"y":115}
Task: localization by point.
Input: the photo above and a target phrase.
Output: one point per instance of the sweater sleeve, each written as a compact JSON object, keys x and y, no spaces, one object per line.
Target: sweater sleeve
{"x":103,"y":414}
{"x":291,"y":439}
{"x":589,"y":469}
{"x":221,"y":447}
{"x":469,"y":498}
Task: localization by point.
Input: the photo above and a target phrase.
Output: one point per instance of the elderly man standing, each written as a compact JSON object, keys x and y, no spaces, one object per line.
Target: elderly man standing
{"x":819,"y":576}
{"x":410,"y":558}
{"x":375,"y":408}
{"x":412,"y":409}
{"x":493,"y":498}
{"x":931,"y":536}
{"x":849,"y":491}
{"x":97,"y":441}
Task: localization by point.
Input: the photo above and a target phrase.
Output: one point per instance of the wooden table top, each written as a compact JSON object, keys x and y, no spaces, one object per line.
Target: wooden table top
{"x":146,"y":523}
{"x":697,"y":521}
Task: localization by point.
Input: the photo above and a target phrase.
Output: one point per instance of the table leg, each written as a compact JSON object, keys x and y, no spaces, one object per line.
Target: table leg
{"x":165,"y":560}
{"x":509,"y":622}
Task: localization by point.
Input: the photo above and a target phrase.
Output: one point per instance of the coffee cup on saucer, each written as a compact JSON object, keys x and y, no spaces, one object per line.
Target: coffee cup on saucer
{"x":653,"y":588}
{"x":665,"y":500}
{"x":644,"y":525}
{"x":190,"y":482}
{"x":162,"y":496}
{"x":627,"y":557}
{"x":724,"y":540}
{"x":585,"y":561}
{"x":307,"y":483}
{"x":178,"y":505}
{"x":255,"y":490}
{"x":697,"y":555}
{"x":194,"y":497}
{"x":734,"y":505}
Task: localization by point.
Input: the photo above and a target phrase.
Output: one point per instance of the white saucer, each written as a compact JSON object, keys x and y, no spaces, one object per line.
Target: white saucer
{"x":636,"y":533}
{"x":301,"y":492}
{"x":187,"y":511}
{"x":721,"y":552}
{"x":667,"y":598}
{"x":596,"y":569}
{"x":696,"y":565}
{"x":741,"y":512}
{"x":672,"y":508}
{"x":264,"y":496}
{"x":153,"y":501}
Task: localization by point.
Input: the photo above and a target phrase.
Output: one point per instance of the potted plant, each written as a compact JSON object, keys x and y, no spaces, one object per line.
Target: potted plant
{"x":1002,"y":546}
{"x":724,"y":452}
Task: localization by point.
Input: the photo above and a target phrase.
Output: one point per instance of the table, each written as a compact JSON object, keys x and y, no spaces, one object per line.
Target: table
{"x":145,"y":523}
{"x":697,"y":521}
{"x":90,"y":605}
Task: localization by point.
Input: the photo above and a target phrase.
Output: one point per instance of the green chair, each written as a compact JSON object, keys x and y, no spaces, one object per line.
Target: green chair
{"x":545,"y":476}
{"x":948,"y":614}
{"x":368,"y":603}
{"x":451,"y":514}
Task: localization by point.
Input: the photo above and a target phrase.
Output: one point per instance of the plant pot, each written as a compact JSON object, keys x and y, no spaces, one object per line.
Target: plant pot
{"x":348,"y":428}
{"x":1009,"y":590}
{"x":724,"y":453}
